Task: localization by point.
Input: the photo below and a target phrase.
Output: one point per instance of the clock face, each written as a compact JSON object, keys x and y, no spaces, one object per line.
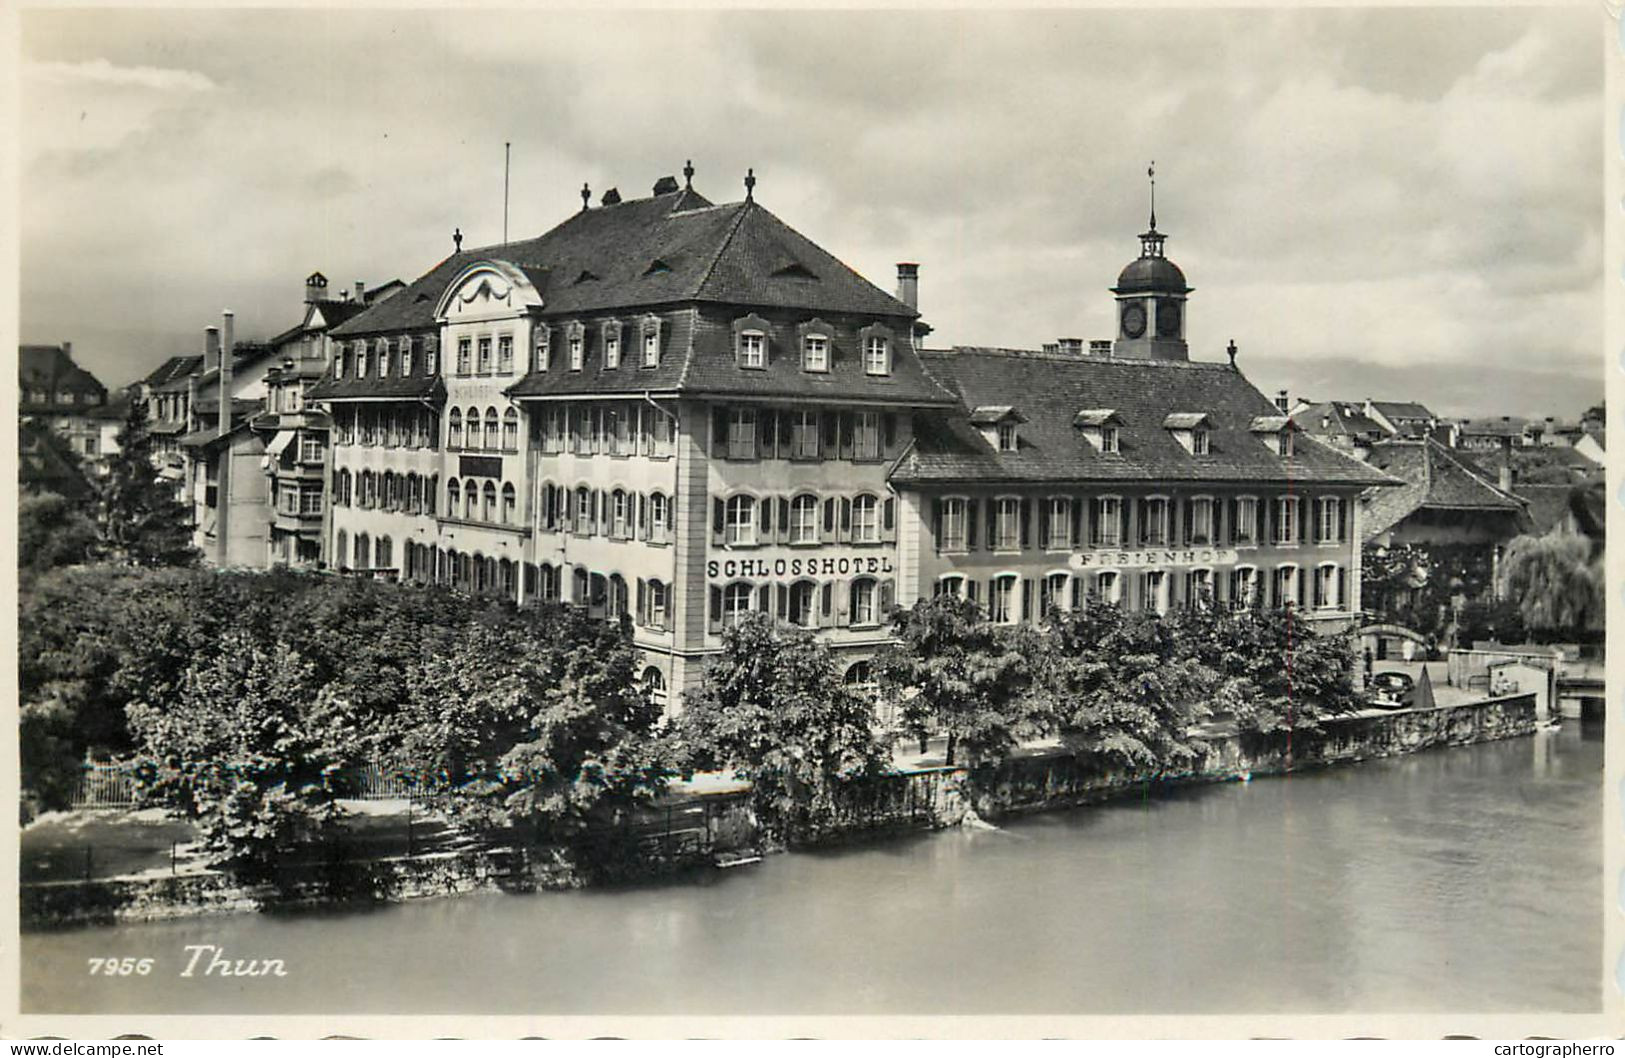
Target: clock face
{"x":1133,"y":319}
{"x":1168,"y":319}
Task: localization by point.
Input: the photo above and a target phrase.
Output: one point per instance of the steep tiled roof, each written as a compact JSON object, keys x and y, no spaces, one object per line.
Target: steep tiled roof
{"x":1332,"y":418}
{"x":1436,"y":478}
{"x":51,"y":368}
{"x":244,"y":354}
{"x":1402,"y":409}
{"x":1050,"y":390}
{"x":1548,"y":504}
{"x":416,"y":386}
{"x":173,"y":368}
{"x":667,"y":249}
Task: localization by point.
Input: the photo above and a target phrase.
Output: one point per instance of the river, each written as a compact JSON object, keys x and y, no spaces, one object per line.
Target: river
{"x":1464,"y":879}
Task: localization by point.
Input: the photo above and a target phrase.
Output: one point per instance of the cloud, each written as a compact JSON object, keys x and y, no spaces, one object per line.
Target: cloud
{"x":102,"y":72}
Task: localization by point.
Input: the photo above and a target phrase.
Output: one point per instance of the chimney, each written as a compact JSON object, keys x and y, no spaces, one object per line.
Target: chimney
{"x":1071,"y":346}
{"x":612,"y":197}
{"x":360,"y":292}
{"x":1281,"y":402}
{"x":1504,"y":477}
{"x":226,"y":348}
{"x":67,"y":351}
{"x":211,"y":348}
{"x":908,"y":284}
{"x":1100,"y":347}
{"x":664,"y":186}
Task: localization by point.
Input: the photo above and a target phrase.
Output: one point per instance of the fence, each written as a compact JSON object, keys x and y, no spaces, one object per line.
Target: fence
{"x":104,"y":784}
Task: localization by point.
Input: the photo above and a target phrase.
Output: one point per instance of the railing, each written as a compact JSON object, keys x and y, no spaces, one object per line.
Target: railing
{"x":104,"y":785}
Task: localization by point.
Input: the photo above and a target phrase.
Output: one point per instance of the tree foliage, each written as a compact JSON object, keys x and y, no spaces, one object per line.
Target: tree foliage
{"x":139,"y":520}
{"x":955,"y":672}
{"x":52,"y":531}
{"x":1556,"y":582}
{"x":774,"y":709}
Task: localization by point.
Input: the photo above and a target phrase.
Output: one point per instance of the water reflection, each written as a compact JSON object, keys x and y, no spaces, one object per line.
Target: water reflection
{"x":1455,"y":879}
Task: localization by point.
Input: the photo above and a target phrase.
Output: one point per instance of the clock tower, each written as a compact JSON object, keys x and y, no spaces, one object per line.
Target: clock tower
{"x":1151,"y":294}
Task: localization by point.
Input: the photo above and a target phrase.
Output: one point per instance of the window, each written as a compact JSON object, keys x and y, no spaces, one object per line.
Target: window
{"x":1243,"y":587}
{"x":1002,"y":603}
{"x":620,"y":527}
{"x":876,"y":356}
{"x":954,"y":535}
{"x":406,"y":357}
{"x":651,"y":345}
{"x":493,"y":428}
{"x":736,"y":600}
{"x":463,"y":348}
{"x":866,"y":435}
{"x":866,"y":520}
{"x":742,"y":433}
{"x":361,"y":358}
{"x":863,"y":602}
{"x":510,"y":430}
{"x":1201,"y":520}
{"x":431,"y":355}
{"x":1286,"y":586}
{"x":1108,"y":529}
{"x":1155,"y":599}
{"x":1059,"y":537}
{"x":575,"y":352}
{"x":489,"y":493}
{"x":1007,"y":524}
{"x":1326,"y":587}
{"x":802,"y":604}
{"x":804,"y":520}
{"x":510,"y":504}
{"x":1286,"y":528}
{"x":485,"y":356}
{"x":505,"y":354}
{"x":1108,"y":438}
{"x":454,"y":429}
{"x":803,"y":434}
{"x":740,"y":523}
{"x":1200,"y":443}
{"x":1244,"y":527}
{"x":654,"y":605}
{"x":815,"y":353}
{"x":1053,"y":595}
{"x":612,"y":351}
{"x":338,"y":363}
{"x":752,"y":349}
{"x":541,"y":351}
{"x":659,"y":518}
{"x":1007,"y":436}
{"x":584,"y":512}
{"x":952,"y":584}
{"x":1329,"y":520}
{"x":1286,"y":442}
{"x":1199,"y":589}
{"x":310,"y":449}
{"x":454,"y":496}
{"x":1154,"y":521}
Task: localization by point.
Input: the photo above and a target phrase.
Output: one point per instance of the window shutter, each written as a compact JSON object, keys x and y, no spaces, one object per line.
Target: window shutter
{"x":1076,"y":540}
{"x":764,"y":515}
{"x":765,"y":433}
{"x":1299,"y":578}
{"x":829,"y":434}
{"x":846,"y":520}
{"x":1123,"y":520}
{"x":764,"y":598}
{"x":783,"y":530}
{"x":643,"y":516}
{"x":888,"y":520}
{"x":829,"y":522}
{"x":1027,"y":599}
{"x":1182,"y":507}
{"x":888,"y":431}
{"x":887,"y":597}
{"x":1026,"y":521}
{"x":1077,"y":592}
{"x":715,"y":624}
{"x":719,"y":516}
{"x":719,"y":431}
{"x":826,"y":611}
{"x":970,"y":589}
{"x":1342,"y":588}
{"x":1043,"y":523}
{"x":843,"y":603}
{"x":1264,"y":517}
{"x":642,"y":601}
{"x":992,"y":518}
{"x":782,"y":594}
{"x":973,"y":507}
{"x":846,"y":435}
{"x":936,"y":523}
{"x":1303,"y":510}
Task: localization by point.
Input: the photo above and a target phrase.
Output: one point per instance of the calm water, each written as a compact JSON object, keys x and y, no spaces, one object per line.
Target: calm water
{"x":1460,"y":879}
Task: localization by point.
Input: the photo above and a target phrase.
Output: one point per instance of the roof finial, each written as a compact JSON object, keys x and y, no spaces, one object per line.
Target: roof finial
{"x":688,"y":175}
{"x":457,"y":240}
{"x":586,"y":197}
{"x":750,"y":185}
{"x":1151,"y":172}
{"x":1232,"y":350}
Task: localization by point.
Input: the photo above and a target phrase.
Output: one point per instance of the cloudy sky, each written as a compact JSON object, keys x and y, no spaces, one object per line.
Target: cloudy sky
{"x":1393,"y":203}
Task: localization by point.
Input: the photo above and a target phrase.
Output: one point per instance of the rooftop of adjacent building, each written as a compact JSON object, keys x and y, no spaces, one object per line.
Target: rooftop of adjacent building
{"x":1436,"y":478}
{"x":50,"y":369}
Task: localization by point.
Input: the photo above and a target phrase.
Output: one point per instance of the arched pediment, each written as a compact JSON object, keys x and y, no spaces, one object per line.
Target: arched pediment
{"x":488,"y":288}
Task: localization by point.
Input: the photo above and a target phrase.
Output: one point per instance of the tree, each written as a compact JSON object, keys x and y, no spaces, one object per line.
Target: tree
{"x":953,"y":670}
{"x":250,"y":749}
{"x":773,"y":708}
{"x":1274,"y":670}
{"x":1557,"y":584}
{"x":140,"y":521}
{"x":1127,"y":690}
{"x":52,"y":532}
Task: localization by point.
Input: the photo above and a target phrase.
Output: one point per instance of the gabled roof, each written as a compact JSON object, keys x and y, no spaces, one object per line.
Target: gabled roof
{"x":1271,"y":423}
{"x":989,"y":414}
{"x":50,"y":367}
{"x":1548,"y":504}
{"x":1436,"y":478}
{"x":670,"y":248}
{"x":173,"y":368}
{"x":244,"y":354}
{"x":1052,"y":388}
{"x":1185,"y":420}
{"x":1096,"y":417}
{"x":1403,"y":409}
{"x":1335,"y":418}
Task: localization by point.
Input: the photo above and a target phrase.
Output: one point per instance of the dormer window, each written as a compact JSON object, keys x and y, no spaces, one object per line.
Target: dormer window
{"x":576,"y":343}
{"x":431,"y":355}
{"x":383,"y":359}
{"x":406,"y":358}
{"x":1007,"y":436}
{"x":999,"y":425}
{"x":815,"y":353}
{"x":1190,"y":429}
{"x":542,"y":349}
{"x":876,"y":356}
{"x":1276,"y":431}
{"x":651,"y":342}
{"x":752,"y":349}
{"x":1099,"y":426}
{"x":612,"y":345}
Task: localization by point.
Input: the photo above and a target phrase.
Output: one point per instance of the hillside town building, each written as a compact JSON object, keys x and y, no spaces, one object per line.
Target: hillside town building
{"x":681,"y":412}
{"x":57,"y":393}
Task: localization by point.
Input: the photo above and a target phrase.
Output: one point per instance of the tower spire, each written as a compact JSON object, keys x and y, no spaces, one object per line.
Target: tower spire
{"x":1151,"y":173}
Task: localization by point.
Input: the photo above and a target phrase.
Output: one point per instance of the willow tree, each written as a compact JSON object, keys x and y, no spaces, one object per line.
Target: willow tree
{"x":1555,"y":582}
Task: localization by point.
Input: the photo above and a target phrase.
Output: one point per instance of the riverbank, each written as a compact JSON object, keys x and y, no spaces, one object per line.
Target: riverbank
{"x":709,"y":825}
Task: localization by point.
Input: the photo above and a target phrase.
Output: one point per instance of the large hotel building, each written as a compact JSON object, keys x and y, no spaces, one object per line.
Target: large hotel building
{"x":683,"y":412}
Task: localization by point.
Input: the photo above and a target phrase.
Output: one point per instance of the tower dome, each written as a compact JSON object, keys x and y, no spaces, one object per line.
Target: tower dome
{"x":1151,"y":293}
